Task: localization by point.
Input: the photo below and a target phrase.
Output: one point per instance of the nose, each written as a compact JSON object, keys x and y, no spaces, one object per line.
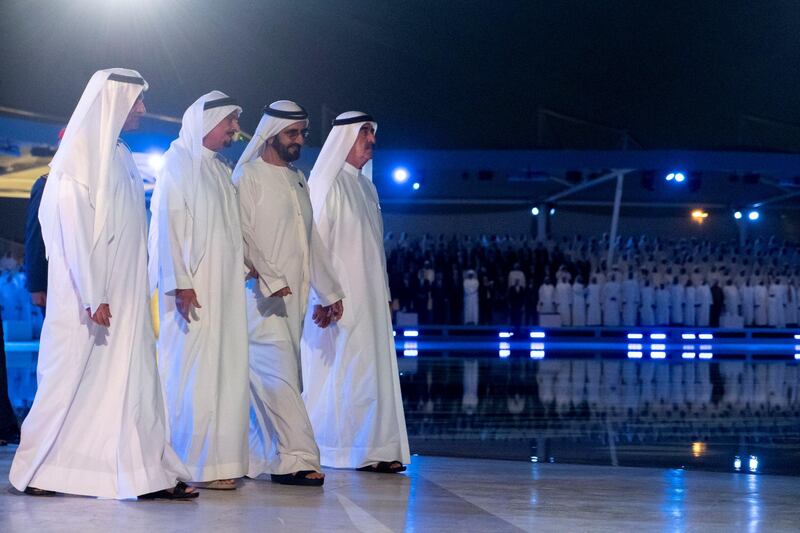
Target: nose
{"x":301,"y":140}
{"x":236,"y":125}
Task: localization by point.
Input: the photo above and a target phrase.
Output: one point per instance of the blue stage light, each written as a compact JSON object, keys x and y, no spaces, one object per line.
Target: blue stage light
{"x":535,"y":211}
{"x":657,"y":336}
{"x":634,"y":335}
{"x":680,"y":177}
{"x":415,"y":186}
{"x":552,"y":211}
{"x":411,"y":333}
{"x":737,"y":215}
{"x":537,"y":334}
{"x":410,"y":349}
{"x":688,"y":355}
{"x":688,"y":336}
{"x":634,"y":355}
{"x":537,"y":354}
{"x":753,"y":215}
{"x":658,"y":355}
{"x":400,"y":175}
{"x":505,"y":334}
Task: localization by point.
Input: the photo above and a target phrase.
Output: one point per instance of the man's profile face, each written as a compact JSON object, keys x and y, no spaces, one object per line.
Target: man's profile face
{"x":288,"y":142}
{"x":222,"y":135}
{"x":135,"y":115}
{"x":361,"y":152}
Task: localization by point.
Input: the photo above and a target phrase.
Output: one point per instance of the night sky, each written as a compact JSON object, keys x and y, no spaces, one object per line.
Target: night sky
{"x":436,"y":74}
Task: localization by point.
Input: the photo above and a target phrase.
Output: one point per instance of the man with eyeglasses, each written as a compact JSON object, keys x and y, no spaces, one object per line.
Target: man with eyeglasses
{"x":196,"y":258}
{"x":282,"y":245}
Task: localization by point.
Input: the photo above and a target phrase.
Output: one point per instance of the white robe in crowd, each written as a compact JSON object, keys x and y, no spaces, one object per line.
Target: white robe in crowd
{"x":748,"y":304}
{"x":611,"y":303}
{"x":731,"y":300}
{"x":663,"y":301}
{"x":97,"y":425}
{"x":647,"y":306}
{"x":775,"y":306}
{"x":593,"y":308}
{"x":546,"y":299}
{"x":630,"y":301}
{"x":690,"y":306}
{"x":703,"y":304}
{"x":350,"y":376}
{"x":578,"y":304}
{"x":761,"y":303}
{"x":471,"y":300}
{"x":282,"y":244}
{"x":677,"y":296}
{"x":563,"y":300}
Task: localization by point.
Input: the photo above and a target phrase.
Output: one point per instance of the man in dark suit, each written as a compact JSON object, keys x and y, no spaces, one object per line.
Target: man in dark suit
{"x":35,"y":259}
{"x":9,"y":430}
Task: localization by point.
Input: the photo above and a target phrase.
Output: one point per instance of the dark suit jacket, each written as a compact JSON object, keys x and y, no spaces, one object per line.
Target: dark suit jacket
{"x":35,"y":259}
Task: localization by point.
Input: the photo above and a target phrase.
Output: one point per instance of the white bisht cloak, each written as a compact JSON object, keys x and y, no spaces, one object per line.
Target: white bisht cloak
{"x":283,"y":245}
{"x":350,"y":377}
{"x":97,"y":426}
{"x":196,"y":243}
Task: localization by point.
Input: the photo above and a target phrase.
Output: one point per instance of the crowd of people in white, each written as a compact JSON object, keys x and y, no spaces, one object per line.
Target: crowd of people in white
{"x":679,"y":284}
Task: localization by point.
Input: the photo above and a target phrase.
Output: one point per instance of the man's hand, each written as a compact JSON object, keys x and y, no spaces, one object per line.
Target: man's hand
{"x":101,"y":317}
{"x":321,"y":316}
{"x":286,"y":291}
{"x":185,"y":300}
{"x":336,"y":311}
{"x":39,"y":299}
{"x":253,"y":274}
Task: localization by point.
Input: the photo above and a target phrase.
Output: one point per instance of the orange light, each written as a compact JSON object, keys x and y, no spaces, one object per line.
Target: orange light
{"x":698,"y":215}
{"x":698,"y":449}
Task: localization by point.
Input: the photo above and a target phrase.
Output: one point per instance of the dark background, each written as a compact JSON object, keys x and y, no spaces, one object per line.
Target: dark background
{"x":436,"y":74}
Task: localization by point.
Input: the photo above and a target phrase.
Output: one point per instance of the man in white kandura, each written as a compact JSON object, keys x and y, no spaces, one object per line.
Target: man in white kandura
{"x":282,"y":245}
{"x":196,"y":257}
{"x":350,"y":380}
{"x":97,"y":425}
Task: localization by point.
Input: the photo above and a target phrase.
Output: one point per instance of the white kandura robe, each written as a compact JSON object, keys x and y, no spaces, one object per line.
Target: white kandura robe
{"x":630,"y":301}
{"x":546,"y":304}
{"x":593,"y":308}
{"x":350,"y":376}
{"x":471,"y":286}
{"x":283,"y":245}
{"x":761,"y":302}
{"x":648,"y":302}
{"x":578,"y":304}
{"x":97,"y":426}
{"x":611,"y":294}
{"x":203,"y":364}
{"x":563,"y":299}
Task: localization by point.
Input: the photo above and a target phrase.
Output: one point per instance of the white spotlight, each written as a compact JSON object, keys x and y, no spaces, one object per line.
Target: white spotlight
{"x":156,"y":162}
{"x":400,"y":175}
{"x":415,"y":186}
{"x":552,"y":211}
{"x":535,"y":211}
{"x":737,"y":215}
{"x":753,"y":215}
{"x":680,"y":177}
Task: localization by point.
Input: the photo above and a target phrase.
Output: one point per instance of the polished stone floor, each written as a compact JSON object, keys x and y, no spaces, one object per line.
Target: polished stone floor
{"x":442,"y":494}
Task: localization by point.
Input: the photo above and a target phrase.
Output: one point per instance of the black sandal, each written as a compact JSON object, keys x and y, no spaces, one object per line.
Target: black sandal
{"x":298,"y":478}
{"x":384,"y":467}
{"x":178,"y":493}
{"x":33,"y":491}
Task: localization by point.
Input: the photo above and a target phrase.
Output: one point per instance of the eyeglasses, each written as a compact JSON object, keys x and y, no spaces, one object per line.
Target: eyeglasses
{"x":294,"y":133}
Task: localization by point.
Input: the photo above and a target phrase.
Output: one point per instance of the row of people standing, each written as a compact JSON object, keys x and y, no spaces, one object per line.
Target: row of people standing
{"x":229,"y":360}
{"x":758,"y":301}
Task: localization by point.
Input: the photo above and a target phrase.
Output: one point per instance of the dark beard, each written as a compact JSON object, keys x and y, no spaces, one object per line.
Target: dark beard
{"x":285,"y":152}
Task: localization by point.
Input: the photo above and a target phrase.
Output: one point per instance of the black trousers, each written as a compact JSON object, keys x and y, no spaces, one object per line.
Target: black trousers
{"x":9,"y":429}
